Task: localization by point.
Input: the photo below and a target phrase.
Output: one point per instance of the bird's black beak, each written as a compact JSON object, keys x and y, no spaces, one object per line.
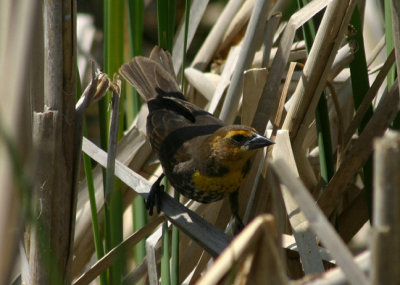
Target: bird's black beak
{"x":258,"y":141}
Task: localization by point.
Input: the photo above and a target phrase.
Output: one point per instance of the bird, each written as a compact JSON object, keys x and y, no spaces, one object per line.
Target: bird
{"x":203,"y":158}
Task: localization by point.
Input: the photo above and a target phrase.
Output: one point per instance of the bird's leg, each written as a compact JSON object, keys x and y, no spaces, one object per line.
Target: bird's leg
{"x":234,"y":204}
{"x":154,"y":198}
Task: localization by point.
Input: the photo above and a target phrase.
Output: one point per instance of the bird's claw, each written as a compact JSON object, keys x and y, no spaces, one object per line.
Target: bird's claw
{"x":234,"y":204}
{"x":154,"y":198}
{"x":238,"y":223}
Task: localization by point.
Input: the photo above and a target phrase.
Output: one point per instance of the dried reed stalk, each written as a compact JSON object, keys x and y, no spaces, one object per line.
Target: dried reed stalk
{"x":319,"y":223}
{"x":197,"y":9}
{"x":17,"y":26}
{"x":305,"y":239}
{"x":271,"y":88}
{"x":336,"y":275}
{"x":210,"y":45}
{"x":188,"y":221}
{"x":395,"y":9}
{"x":368,"y":98}
{"x":353,"y":217}
{"x":107,"y":260}
{"x":360,"y":150}
{"x":237,"y":26}
{"x":55,"y":178}
{"x":133,"y":148}
{"x":385,"y":246}
{"x":317,"y":68}
{"x":251,"y":41}
{"x":257,"y":241}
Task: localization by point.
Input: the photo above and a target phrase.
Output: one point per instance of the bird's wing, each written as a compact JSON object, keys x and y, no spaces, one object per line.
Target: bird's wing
{"x":169,"y":126}
{"x":173,"y":123}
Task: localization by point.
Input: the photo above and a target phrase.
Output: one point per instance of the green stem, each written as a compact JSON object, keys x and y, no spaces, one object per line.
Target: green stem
{"x":360,"y":86}
{"x":165,"y":273}
{"x":93,"y":208}
{"x":321,"y":113}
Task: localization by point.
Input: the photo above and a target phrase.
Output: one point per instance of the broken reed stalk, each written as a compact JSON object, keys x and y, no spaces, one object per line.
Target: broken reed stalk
{"x":54,"y":179}
{"x":316,"y":69}
{"x":319,"y":223}
{"x":386,"y":212}
{"x":278,"y":67}
{"x":270,"y":30}
{"x":306,"y":243}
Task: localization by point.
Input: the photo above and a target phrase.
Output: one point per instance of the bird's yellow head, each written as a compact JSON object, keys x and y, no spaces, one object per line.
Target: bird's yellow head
{"x":225,"y":159}
{"x":231,"y":144}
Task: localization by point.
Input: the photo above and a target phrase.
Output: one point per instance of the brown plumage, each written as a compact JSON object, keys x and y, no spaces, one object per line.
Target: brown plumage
{"x":203,"y":158}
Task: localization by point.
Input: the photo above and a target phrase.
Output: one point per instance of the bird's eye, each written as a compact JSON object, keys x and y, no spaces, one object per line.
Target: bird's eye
{"x":238,"y":139}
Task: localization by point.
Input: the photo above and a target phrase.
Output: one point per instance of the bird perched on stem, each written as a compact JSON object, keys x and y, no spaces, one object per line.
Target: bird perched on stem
{"x":203,"y":158}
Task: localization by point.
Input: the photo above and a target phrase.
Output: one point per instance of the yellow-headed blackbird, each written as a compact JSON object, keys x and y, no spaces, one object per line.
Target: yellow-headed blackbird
{"x":203,"y":158}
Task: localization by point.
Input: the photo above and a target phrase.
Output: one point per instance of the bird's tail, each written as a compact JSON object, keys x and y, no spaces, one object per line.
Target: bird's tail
{"x":148,"y":74}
